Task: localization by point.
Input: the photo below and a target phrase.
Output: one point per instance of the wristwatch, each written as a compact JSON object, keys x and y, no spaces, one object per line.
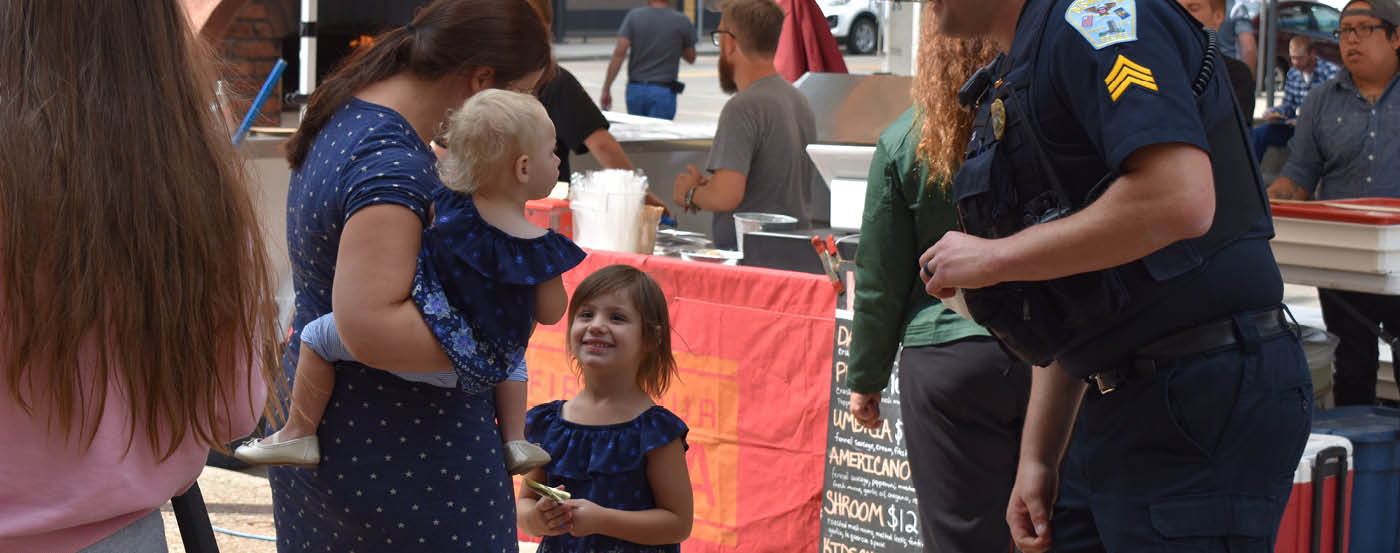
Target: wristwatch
{"x":690,"y":198}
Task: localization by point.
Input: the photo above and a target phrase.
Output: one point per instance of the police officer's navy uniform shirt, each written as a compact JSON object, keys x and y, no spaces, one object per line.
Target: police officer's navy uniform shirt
{"x":1113,"y":77}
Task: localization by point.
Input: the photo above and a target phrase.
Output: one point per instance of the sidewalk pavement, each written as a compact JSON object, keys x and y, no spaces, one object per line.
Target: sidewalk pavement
{"x":601,"y":49}
{"x":239,"y":501}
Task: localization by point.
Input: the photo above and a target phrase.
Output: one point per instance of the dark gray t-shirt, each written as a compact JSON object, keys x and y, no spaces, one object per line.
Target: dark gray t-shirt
{"x":763,"y":134}
{"x":658,"y":36}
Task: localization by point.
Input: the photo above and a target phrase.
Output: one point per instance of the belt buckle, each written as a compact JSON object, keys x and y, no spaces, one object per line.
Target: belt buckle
{"x":1105,"y":386}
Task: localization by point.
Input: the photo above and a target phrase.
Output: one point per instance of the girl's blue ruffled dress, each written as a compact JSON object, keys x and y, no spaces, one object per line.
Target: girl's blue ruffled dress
{"x":603,"y":464}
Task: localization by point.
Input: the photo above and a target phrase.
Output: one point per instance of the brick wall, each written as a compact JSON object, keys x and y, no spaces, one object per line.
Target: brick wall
{"x":250,"y":47}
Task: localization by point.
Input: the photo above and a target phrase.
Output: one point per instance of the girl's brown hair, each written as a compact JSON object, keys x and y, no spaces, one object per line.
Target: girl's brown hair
{"x":945,"y":63}
{"x":658,"y":365}
{"x":446,"y":37}
{"x":128,"y":230}
{"x":545,"y":9}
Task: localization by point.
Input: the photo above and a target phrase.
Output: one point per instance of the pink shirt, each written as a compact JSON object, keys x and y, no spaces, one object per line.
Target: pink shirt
{"x":58,"y":497}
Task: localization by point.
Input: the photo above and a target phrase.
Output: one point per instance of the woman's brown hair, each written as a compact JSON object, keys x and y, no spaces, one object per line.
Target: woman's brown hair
{"x":129,"y":236}
{"x":945,"y":63}
{"x":446,"y":37}
{"x":658,"y":364}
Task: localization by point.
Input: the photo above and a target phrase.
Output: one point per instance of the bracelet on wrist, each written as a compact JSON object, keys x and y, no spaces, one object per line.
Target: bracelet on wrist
{"x":690,"y":198}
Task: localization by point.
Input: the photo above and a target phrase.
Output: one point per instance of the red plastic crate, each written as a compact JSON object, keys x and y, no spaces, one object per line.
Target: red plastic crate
{"x":551,"y":213}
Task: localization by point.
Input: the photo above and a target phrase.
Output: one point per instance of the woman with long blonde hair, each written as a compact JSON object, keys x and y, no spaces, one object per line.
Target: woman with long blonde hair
{"x":138,"y":314}
{"x":961,"y":397}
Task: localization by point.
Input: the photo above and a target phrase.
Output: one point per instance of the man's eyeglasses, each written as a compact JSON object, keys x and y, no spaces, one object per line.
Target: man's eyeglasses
{"x":1363,"y":32}
{"x":714,"y":35}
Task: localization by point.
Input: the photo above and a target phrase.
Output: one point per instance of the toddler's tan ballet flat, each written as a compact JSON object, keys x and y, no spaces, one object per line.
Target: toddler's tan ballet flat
{"x":523,"y":457}
{"x":303,"y":452}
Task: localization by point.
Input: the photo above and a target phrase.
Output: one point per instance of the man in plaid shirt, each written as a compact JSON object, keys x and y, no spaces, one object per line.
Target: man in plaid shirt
{"x":1307,"y":72}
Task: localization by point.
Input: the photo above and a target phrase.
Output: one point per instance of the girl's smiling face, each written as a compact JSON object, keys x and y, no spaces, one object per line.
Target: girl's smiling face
{"x":606,"y":333}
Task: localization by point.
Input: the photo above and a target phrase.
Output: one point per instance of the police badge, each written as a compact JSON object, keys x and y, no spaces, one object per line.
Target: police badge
{"x":998,"y":118}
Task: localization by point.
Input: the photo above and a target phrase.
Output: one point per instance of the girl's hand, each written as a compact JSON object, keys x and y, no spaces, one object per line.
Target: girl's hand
{"x":587,"y":517}
{"x":551,"y":518}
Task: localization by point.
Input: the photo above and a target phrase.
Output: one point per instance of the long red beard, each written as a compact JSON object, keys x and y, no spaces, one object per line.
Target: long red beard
{"x":726,"y":76}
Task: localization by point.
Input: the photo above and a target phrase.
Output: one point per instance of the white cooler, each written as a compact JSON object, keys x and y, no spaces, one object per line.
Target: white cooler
{"x":1339,"y":244}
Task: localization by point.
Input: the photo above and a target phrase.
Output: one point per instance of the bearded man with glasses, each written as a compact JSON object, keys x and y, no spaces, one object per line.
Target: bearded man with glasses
{"x":1347,"y":145}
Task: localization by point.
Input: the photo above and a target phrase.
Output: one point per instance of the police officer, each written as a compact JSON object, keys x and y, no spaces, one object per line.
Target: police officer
{"x":1117,"y":233}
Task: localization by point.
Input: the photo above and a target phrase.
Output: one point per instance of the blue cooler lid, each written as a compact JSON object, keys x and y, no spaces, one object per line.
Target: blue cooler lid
{"x":1374,"y":431}
{"x":1359,"y":423}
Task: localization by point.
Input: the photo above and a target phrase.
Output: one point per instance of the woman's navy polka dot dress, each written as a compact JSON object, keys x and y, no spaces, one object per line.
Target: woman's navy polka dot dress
{"x":405,"y":465}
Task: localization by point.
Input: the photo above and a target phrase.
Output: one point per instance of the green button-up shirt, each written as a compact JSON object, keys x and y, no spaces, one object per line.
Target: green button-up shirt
{"x":905,"y":213}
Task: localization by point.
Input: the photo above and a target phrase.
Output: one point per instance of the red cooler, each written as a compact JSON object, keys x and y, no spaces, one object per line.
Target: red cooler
{"x":1317,"y":517}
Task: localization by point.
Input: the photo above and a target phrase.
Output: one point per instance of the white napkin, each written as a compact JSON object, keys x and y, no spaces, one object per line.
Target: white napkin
{"x":958,"y":304}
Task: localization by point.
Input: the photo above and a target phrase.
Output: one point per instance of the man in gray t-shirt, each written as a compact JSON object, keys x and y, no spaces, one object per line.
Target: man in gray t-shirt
{"x":759,"y":158}
{"x":659,"y":37}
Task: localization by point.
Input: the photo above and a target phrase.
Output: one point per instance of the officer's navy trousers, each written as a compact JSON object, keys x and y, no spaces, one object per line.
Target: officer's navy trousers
{"x":1197,"y":457}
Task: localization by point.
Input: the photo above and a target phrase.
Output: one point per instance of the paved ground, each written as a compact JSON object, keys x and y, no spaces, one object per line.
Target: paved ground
{"x":237,"y":501}
{"x":241,"y":502}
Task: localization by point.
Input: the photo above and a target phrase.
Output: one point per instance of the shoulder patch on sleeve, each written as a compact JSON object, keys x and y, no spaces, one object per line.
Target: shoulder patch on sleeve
{"x":1103,"y":22}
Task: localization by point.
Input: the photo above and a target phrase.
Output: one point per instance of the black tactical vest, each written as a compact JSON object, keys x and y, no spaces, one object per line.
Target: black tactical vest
{"x":1007,"y":183}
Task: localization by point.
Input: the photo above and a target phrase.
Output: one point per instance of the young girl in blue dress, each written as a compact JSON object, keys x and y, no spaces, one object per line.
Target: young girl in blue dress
{"x":620,"y":456}
{"x":483,"y":258}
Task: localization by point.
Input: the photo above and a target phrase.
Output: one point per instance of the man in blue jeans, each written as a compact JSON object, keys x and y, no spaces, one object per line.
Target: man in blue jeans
{"x":658,"y":37}
{"x":1307,"y":72}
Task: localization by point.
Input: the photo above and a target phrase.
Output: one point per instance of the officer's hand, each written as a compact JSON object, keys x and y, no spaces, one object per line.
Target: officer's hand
{"x":958,"y":261}
{"x":866,"y":408}
{"x":1028,"y":513}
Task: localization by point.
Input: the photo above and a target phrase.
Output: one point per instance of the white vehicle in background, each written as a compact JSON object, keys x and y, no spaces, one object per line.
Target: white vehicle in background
{"x":854,"y":21}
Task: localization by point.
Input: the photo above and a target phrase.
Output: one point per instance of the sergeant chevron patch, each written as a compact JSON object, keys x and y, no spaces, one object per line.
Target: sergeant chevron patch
{"x":1127,"y":73}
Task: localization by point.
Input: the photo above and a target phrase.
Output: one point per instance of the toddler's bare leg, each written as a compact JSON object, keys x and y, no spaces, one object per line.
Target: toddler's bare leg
{"x":510,"y":409}
{"x":521,"y":456}
{"x":311,"y":391}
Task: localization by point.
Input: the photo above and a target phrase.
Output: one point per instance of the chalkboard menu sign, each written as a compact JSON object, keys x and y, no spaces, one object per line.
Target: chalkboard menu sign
{"x":868,"y":502}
